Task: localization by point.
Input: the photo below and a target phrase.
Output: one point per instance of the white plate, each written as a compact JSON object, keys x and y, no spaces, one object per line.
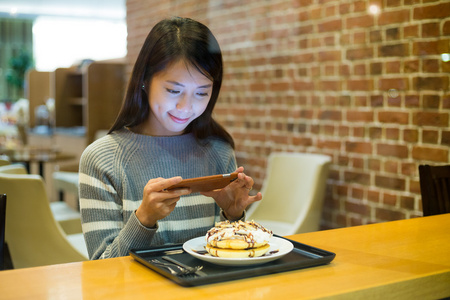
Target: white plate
{"x":198,"y":244}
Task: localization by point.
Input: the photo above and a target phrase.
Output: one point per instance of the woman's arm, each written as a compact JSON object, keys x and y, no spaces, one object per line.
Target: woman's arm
{"x":109,"y":230}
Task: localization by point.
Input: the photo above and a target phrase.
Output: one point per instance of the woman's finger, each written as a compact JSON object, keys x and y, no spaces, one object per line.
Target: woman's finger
{"x":161,"y":184}
{"x":239,"y":170}
{"x":171,"y":201}
{"x":244,"y":181}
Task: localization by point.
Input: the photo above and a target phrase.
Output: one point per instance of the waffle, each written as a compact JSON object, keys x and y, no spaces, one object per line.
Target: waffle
{"x":238,"y":239}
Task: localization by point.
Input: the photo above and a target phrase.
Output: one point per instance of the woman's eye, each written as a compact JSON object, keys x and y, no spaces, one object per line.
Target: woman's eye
{"x":173,"y":91}
{"x":202,"y":94}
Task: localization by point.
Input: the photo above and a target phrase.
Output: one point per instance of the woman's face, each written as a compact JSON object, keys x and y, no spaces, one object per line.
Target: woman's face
{"x":177,"y":96}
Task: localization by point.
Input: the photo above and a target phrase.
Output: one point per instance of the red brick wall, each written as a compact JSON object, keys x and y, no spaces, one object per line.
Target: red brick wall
{"x":326,"y":76}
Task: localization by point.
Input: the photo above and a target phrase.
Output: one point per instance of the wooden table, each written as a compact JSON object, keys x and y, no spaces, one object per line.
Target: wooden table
{"x":408,"y":259}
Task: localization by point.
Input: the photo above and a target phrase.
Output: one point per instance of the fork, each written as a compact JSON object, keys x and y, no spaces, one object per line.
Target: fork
{"x":189,"y":269}
{"x":179,"y":272}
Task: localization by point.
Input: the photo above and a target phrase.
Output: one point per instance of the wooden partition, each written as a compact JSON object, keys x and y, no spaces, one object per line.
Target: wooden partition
{"x":67,"y":88}
{"x":38,"y":91}
{"x":103,"y":90}
{"x":89,"y":96}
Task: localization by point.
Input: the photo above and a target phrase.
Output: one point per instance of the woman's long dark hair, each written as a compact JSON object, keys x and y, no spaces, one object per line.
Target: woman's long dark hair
{"x":169,"y":41}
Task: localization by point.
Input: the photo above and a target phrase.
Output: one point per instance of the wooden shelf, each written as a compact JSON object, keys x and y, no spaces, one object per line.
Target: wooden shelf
{"x":89,"y":97}
{"x":77,"y":101}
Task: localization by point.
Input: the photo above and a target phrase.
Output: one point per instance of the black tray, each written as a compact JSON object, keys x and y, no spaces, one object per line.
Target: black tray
{"x":302,"y":256}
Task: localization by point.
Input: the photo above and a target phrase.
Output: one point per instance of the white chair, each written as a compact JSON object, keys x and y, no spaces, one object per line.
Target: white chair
{"x":68,"y":218}
{"x":33,"y":235}
{"x":13,"y":169}
{"x":293,"y":193}
{"x":4,"y":160}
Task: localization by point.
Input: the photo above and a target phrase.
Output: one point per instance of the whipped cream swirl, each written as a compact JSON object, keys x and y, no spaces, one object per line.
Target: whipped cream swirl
{"x":249,"y":231}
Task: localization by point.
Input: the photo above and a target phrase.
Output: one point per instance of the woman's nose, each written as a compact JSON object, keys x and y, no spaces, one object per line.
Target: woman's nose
{"x":185,"y":104}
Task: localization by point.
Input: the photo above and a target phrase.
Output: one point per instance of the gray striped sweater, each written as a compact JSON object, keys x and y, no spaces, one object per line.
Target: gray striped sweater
{"x":113,"y":173}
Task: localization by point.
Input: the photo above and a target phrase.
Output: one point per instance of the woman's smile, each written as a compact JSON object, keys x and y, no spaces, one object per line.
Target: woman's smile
{"x":178,"y":120}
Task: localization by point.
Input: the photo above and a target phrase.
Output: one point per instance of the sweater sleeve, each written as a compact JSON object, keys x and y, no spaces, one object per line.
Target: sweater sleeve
{"x":106,"y":231}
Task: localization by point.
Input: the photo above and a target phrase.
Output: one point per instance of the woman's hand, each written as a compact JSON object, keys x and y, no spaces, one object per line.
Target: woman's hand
{"x":157,"y":203}
{"x":234,"y":198}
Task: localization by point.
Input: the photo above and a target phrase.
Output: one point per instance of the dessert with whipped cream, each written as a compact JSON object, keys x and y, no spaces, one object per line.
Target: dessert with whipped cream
{"x":238,"y":239}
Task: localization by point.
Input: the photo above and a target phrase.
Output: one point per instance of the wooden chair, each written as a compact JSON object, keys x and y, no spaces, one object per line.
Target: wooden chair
{"x":293,"y":193}
{"x":5,"y":257}
{"x":435,"y":189}
{"x":33,"y":235}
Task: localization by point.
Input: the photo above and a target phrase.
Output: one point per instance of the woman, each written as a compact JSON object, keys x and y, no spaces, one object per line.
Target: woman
{"x":164,"y":132}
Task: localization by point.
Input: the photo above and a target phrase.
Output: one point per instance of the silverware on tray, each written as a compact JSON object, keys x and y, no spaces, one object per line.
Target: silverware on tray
{"x":176,"y":269}
{"x":191,"y":270}
{"x":169,"y":267}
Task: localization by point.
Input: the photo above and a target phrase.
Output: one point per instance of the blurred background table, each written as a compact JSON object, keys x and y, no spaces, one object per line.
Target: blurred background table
{"x":29,"y":155}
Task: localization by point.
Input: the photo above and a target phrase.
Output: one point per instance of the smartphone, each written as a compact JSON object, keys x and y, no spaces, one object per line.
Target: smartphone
{"x":206,"y":183}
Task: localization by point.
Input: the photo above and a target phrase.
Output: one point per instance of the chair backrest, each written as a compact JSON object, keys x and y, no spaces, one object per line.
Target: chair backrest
{"x":13,"y":169}
{"x":293,"y":191}
{"x":435,"y":189}
{"x":33,"y":236}
{"x":4,"y":160}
